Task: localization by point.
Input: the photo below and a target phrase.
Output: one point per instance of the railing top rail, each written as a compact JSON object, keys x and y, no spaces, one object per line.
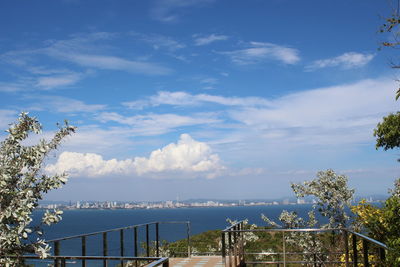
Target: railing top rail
{"x":159,"y":262}
{"x":90,"y":258}
{"x":231,"y":226}
{"x":114,"y":229}
{"x":376,"y":242}
{"x":286,"y":230}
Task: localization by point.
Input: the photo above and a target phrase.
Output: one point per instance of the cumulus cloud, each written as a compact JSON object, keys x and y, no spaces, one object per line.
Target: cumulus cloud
{"x":348,"y":60}
{"x":187,"y":158}
{"x":259,"y":52}
{"x":205,"y":40}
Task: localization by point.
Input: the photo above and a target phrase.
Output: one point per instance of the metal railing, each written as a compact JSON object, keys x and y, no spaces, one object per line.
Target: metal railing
{"x":64,"y":261}
{"x":151,"y":247}
{"x":335,"y":242}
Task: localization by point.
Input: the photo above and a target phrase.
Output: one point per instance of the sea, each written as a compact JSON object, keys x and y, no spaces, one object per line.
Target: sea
{"x":81,"y":221}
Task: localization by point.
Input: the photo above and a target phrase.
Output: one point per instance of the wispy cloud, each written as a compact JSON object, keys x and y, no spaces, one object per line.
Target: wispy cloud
{"x":63,"y":104}
{"x":342,"y":114}
{"x":154,"y":124}
{"x":93,"y":50}
{"x":158,"y":41}
{"x":258,"y":52}
{"x":60,"y":80}
{"x":187,"y":156}
{"x":170,"y":10}
{"x":348,"y":60}
{"x":79,"y":51}
{"x":117,"y":63}
{"x":334,"y":115}
{"x":186,"y":99}
{"x":205,"y":40}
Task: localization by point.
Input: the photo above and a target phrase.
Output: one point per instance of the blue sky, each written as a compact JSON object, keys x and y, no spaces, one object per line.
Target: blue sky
{"x":201,"y":98}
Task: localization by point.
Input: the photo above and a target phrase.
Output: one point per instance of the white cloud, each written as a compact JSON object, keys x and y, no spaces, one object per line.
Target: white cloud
{"x":180,"y":98}
{"x":158,"y":41}
{"x":333,"y":115}
{"x":259,"y":52}
{"x":116,"y":63}
{"x":169,"y":10}
{"x":64,"y":104}
{"x":87,"y":51}
{"x":154,"y":124}
{"x":205,"y":40}
{"x":348,"y":60}
{"x":60,"y":80}
{"x":187,"y":157}
{"x":13,"y":86}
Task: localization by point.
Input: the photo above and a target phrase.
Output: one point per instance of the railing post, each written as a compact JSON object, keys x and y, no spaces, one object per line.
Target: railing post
{"x":147,"y":241}
{"x":63,"y":262}
{"x":105,"y":263}
{"x":315,"y":245}
{"x":382,"y":255}
{"x":166,"y":263}
{"x":365,"y":252}
{"x":83,"y":250}
{"x":235,"y":245}
{"x":188,"y":239}
{"x":135,"y":240}
{"x":230,"y":247}
{"x":223,"y":248}
{"x":121,"y":244}
{"x":355,"y":256}
{"x":157,"y":240}
{"x":56,"y":252}
{"x":284,"y":249}
{"x":346,"y":246}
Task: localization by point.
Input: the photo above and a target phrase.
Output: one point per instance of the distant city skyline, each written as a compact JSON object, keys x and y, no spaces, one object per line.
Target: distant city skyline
{"x":201,"y":98}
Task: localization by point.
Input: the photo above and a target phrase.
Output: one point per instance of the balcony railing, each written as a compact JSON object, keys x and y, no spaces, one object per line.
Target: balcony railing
{"x":300,"y":247}
{"x":63,"y":261}
{"x":126,"y":247}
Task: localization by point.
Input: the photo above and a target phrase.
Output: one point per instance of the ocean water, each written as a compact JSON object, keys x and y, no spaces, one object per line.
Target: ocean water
{"x":202,"y":219}
{"x":81,"y":221}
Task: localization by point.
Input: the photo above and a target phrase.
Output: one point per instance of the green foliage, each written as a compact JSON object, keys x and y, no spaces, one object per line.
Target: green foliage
{"x":383,"y":224}
{"x":387,"y":132}
{"x":22,"y":185}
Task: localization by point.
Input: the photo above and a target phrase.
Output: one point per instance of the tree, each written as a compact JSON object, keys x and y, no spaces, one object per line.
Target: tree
{"x":382,"y":223}
{"x":387,"y":132}
{"x":22,"y":185}
{"x":332,"y":196}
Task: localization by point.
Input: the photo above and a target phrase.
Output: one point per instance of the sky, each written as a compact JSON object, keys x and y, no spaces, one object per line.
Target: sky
{"x":184,"y":99}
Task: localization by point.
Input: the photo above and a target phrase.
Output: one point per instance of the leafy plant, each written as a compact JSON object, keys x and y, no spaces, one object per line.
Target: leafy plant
{"x":22,"y":185}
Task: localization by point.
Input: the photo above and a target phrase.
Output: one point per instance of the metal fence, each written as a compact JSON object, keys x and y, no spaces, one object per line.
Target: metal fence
{"x":300,"y":247}
{"x":146,"y":251}
{"x":63,"y":261}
